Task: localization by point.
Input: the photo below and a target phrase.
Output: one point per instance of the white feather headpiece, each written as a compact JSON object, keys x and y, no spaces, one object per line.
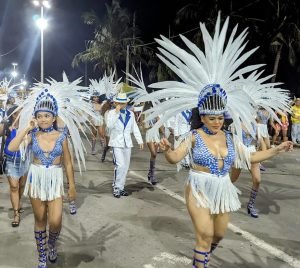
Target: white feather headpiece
{"x":267,"y":95}
{"x":219,"y":64}
{"x":72,"y":105}
{"x":112,"y":87}
{"x":139,"y":87}
{"x":6,"y":88}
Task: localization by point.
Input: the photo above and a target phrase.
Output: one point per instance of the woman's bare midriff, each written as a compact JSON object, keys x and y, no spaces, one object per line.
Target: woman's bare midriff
{"x":56,"y":162}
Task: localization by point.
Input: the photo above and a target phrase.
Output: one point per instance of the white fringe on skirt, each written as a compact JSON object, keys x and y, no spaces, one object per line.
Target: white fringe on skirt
{"x":152,"y":136}
{"x":251,"y":149}
{"x":262,"y":131}
{"x":213,"y":192}
{"x":44,"y":183}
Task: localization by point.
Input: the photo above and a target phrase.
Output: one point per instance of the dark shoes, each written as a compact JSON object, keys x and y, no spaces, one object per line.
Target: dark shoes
{"x":252,"y":211}
{"x":123,"y":193}
{"x":72,"y":207}
{"x":151,"y":177}
{"x":17,"y":218}
{"x":117,"y":193}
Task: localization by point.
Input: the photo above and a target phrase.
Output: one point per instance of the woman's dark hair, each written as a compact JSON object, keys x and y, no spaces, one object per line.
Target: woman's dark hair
{"x":98,"y":99}
{"x":147,"y":105}
{"x":106,"y":106}
{"x":195,"y":119}
{"x":10,"y":99}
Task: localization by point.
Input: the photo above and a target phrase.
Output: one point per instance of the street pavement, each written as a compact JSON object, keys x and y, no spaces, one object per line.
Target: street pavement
{"x":151,"y":227}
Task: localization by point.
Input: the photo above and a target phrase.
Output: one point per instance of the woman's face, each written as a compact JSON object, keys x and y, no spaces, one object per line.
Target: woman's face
{"x":45,"y":119}
{"x":95,"y":99}
{"x":213,"y":122}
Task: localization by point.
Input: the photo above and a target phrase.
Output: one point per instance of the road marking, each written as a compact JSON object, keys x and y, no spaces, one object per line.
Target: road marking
{"x":169,"y":258}
{"x":293,"y":262}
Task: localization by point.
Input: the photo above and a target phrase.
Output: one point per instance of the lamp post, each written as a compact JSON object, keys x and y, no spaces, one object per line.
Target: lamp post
{"x":14,"y":73}
{"x":42,"y":24}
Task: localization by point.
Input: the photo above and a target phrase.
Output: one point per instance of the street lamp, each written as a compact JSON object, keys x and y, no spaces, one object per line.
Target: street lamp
{"x":14,"y":73}
{"x":42,"y":24}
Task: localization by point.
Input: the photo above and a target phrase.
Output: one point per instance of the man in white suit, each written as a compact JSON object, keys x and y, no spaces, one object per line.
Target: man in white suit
{"x":121,"y":123}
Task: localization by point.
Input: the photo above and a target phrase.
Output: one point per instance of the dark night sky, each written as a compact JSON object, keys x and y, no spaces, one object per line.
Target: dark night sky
{"x":67,"y":33}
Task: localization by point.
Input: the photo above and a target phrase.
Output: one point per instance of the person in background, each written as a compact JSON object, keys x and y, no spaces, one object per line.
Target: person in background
{"x":280,"y":128}
{"x":16,"y":169}
{"x":10,"y":102}
{"x":121,"y":123}
{"x":295,"y":118}
{"x":97,"y":128}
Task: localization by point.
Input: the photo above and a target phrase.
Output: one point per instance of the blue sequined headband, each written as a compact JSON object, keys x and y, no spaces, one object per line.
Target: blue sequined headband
{"x":212,"y":100}
{"x":45,"y":102}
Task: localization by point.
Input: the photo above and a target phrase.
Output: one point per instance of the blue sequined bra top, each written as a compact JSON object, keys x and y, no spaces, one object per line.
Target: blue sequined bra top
{"x":247,"y":138}
{"x":203,"y":157}
{"x":263,"y":117}
{"x":47,"y":158}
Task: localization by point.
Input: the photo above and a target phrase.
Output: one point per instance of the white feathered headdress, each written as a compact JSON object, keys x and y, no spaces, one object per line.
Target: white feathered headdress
{"x":6,"y":88}
{"x":267,"y":95}
{"x":139,"y":87}
{"x":219,"y":64}
{"x":72,"y":105}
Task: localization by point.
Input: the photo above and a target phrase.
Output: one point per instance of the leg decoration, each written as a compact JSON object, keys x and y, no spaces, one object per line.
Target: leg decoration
{"x":151,"y":174}
{"x":251,"y":204}
{"x":72,"y":207}
{"x":204,"y":262}
{"x":105,"y":149}
{"x":53,"y":236}
{"x":40,"y":237}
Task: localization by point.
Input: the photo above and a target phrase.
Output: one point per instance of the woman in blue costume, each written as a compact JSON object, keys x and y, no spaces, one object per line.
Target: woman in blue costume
{"x":211,"y":80}
{"x":45,"y":177}
{"x":209,"y":193}
{"x":16,"y":169}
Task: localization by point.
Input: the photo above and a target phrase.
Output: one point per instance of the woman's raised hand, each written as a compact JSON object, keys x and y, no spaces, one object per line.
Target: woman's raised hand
{"x":164,"y":145}
{"x":286,"y":146}
{"x":32,"y":124}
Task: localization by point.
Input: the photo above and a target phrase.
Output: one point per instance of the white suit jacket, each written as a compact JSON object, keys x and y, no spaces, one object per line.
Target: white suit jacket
{"x":120,"y":132}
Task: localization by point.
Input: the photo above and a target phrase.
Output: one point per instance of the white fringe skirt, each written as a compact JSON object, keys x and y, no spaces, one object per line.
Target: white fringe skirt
{"x":262,"y":131}
{"x":213,"y":192}
{"x":44,"y":183}
{"x":98,"y":120}
{"x":152,"y":136}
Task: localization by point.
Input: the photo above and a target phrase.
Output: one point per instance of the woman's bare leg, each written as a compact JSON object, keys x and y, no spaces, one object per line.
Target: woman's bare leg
{"x":203,"y":223}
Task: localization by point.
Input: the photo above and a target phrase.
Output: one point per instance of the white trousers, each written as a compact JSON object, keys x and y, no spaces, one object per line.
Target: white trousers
{"x":121,"y":159}
{"x":295,"y":133}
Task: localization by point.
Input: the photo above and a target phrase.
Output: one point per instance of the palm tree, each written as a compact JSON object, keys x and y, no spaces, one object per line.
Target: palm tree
{"x":284,"y":32}
{"x":107,"y":50}
{"x":274,"y":24}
